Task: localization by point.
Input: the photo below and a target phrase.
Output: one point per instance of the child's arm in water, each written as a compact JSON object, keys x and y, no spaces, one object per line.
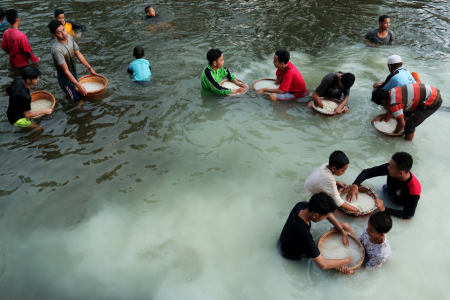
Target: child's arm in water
{"x":324,"y":263}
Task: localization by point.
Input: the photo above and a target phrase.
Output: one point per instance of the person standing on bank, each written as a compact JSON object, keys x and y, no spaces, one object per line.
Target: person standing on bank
{"x":382,"y":34}
{"x":399,"y":76}
{"x":64,"y":51}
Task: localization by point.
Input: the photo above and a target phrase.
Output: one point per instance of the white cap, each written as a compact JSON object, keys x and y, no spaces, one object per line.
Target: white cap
{"x":394,"y":59}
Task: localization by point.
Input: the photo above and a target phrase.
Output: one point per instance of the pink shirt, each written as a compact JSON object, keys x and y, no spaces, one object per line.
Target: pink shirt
{"x":15,"y":43}
{"x":292,"y":81}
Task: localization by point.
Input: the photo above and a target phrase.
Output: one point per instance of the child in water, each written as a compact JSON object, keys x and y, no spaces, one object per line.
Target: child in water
{"x":376,"y":245}
{"x":3,"y":26}
{"x":69,"y":25}
{"x":140,"y":68}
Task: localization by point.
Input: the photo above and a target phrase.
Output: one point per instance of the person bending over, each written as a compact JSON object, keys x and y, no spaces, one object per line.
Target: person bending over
{"x":64,"y":51}
{"x":140,"y":68}
{"x":375,"y":242}
{"x":19,"y":108}
{"x":215,"y":72}
{"x":15,"y":42}
{"x":292,"y":86}
{"x":322,"y":179}
{"x":382,"y":34}
{"x":334,"y":86}
{"x":415,"y":101}
{"x":401,"y":184}
{"x":399,"y":76}
{"x":70,"y":26}
{"x":296,"y":240}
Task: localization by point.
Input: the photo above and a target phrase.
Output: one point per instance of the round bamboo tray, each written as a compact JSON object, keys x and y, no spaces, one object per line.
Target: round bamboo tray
{"x":94,"y":78}
{"x":42,"y":95}
{"x":265,"y":93}
{"x":236,"y":94}
{"x":324,"y":236}
{"x":361,"y":189}
{"x":378,"y":118}
{"x":323,"y":113}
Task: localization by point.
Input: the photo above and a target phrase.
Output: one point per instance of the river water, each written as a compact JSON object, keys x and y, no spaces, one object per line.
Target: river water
{"x":160,"y":192}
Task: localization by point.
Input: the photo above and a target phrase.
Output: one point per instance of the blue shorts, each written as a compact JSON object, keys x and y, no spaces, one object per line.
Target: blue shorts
{"x":286,"y":96}
{"x":72,"y":93}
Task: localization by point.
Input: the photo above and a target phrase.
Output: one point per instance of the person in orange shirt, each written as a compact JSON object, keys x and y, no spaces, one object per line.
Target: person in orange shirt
{"x":69,"y":25}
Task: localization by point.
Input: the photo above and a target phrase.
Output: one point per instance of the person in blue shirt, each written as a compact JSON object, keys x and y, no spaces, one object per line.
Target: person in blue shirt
{"x":398,"y":77}
{"x":3,"y":25}
{"x":140,"y":68}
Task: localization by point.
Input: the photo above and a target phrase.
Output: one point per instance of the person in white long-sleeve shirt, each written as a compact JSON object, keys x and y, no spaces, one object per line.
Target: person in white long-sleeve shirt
{"x":322,"y":179}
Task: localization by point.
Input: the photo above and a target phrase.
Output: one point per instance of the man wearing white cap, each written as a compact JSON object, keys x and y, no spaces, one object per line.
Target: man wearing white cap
{"x":399,"y":76}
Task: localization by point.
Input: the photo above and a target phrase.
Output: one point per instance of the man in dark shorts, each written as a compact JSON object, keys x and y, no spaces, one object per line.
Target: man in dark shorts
{"x":296,"y":240}
{"x":401,"y":184}
{"x":382,"y":34}
{"x":334,"y":86}
{"x":415,"y":101}
{"x":64,"y":51}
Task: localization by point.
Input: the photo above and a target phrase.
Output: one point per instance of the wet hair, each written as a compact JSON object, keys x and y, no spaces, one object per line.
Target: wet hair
{"x":382,"y":18}
{"x":138,"y":52}
{"x":2,"y":14}
{"x":348,"y":79}
{"x":30,"y":73}
{"x":322,"y":204}
{"x":381,"y":222}
{"x":53,"y":25}
{"x":403,"y":161}
{"x":397,"y":65}
{"x":58,"y":12}
{"x":147,"y":8}
{"x":380,"y":95}
{"x":283,"y":56}
{"x":12,"y":16}
{"x":213,"y":55}
{"x":338,"y":159}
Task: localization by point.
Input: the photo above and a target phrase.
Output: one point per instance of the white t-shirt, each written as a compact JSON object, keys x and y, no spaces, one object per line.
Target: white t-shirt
{"x":376,"y":254}
{"x":322,"y":180}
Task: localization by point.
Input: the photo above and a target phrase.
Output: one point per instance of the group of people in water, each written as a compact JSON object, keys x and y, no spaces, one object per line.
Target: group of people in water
{"x":401,"y":94}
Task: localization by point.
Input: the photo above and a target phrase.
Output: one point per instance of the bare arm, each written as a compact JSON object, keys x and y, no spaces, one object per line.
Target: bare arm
{"x":324,"y":263}
{"x":332,"y":219}
{"x":349,"y":207}
{"x":30,"y":114}
{"x":388,"y":115}
{"x":316,"y":99}
{"x":84,"y":62}
{"x":72,"y":79}
{"x":400,"y":125}
{"x":338,"y":110}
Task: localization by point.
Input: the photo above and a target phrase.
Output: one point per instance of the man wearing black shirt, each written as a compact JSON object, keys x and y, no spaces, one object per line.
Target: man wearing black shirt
{"x":402,"y":186}
{"x":296,"y":240}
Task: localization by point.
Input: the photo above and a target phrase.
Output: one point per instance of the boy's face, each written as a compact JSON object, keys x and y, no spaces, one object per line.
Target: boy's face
{"x":373,"y":234}
{"x":33,"y":81}
{"x":61,"y":18}
{"x":219,"y":62}
{"x":393,"y":170}
{"x":339,"y":172}
{"x":61,"y":33}
{"x":385,"y":24}
{"x":277,"y":63}
{"x":151,"y":12}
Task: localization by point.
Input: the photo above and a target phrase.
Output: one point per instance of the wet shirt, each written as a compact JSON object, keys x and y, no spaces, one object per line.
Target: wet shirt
{"x":65,"y":53}
{"x":322,"y":180}
{"x":376,"y":254}
{"x":292,"y":81}
{"x":15,"y":43}
{"x":296,"y":239}
{"x":71,"y":26}
{"x":406,"y":193}
{"x":19,"y":100}
{"x":397,"y":78}
{"x":3,"y":26}
{"x":373,"y":37}
{"x":211,"y":79}
{"x":141,"y":70}
{"x":157,"y":18}
{"x":329,"y":87}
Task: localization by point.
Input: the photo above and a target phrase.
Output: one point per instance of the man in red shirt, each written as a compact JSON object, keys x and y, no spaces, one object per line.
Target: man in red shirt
{"x":15,"y":42}
{"x":292,"y":86}
{"x":416,"y":101}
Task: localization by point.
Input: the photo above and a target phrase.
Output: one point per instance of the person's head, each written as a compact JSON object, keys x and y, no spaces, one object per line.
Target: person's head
{"x":400,"y":164}
{"x":379,"y":224}
{"x":384,"y":21}
{"x":2,"y":14}
{"x":394,"y":62}
{"x":215,"y":58}
{"x":138,"y":52}
{"x":150,"y":11}
{"x":281,"y":58}
{"x":338,"y":163}
{"x":321,"y":206}
{"x":60,"y":16}
{"x":347,"y":80}
{"x":381,"y":97}
{"x":12,"y":16}
{"x":57,"y":30}
{"x":31,"y":75}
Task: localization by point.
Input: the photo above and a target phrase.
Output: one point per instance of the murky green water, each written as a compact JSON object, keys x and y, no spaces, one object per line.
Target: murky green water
{"x":160,"y":192}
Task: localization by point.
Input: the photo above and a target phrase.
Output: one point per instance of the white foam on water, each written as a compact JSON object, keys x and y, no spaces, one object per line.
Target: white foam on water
{"x":92,"y":86}
{"x":333,"y":248}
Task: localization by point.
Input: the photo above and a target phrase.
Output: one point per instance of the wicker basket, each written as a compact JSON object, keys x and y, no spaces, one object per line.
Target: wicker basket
{"x":326,"y":114}
{"x":378,"y":118}
{"x":361,"y":189}
{"x":265,"y":93}
{"x":42,"y":95}
{"x":94,"y":78}
{"x":324,"y":236}
{"x":236,"y":94}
